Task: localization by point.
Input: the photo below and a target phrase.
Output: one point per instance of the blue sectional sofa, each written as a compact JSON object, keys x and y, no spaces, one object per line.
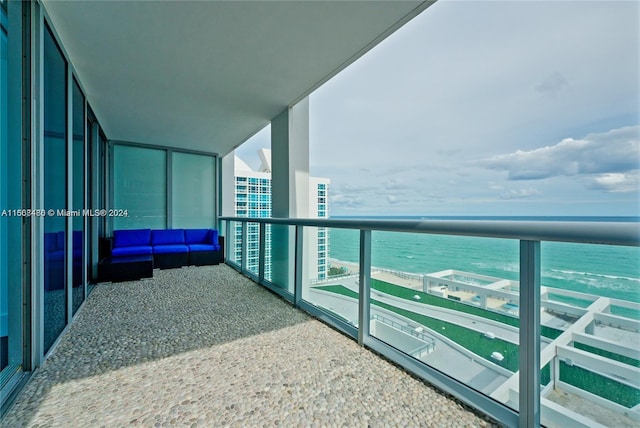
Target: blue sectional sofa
{"x":170,"y":248}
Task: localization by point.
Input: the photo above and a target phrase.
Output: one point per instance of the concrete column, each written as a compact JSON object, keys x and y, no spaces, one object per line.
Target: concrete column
{"x":290,"y":162}
{"x":290,"y":186}
{"x":227,"y":185}
{"x":226,"y":199}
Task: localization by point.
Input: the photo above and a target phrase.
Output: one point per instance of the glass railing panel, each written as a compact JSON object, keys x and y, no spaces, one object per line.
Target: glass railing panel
{"x":268,"y":260}
{"x":331,"y":272}
{"x":451,"y":302}
{"x":279,"y":261}
{"x":222,"y":234}
{"x":234,"y":243}
{"x":252,"y":248}
{"x":591,"y":295}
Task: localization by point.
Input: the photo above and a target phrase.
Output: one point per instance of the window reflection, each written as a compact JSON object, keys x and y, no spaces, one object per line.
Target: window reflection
{"x":55,"y":189}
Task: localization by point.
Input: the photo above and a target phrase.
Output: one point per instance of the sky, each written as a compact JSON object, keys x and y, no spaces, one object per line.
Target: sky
{"x":486,"y":108}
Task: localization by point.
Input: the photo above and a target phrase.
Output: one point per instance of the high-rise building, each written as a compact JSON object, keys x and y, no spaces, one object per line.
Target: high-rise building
{"x":252,"y":198}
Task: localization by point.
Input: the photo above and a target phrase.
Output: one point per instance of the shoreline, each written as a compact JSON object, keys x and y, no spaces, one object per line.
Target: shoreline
{"x":415,"y":281}
{"x":405,"y":279}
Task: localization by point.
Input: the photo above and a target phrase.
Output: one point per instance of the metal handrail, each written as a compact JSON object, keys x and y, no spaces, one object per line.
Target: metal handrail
{"x":607,"y":233}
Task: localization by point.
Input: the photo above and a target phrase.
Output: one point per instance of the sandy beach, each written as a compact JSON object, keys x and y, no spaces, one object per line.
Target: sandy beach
{"x":383,"y":275}
{"x":406,"y":280}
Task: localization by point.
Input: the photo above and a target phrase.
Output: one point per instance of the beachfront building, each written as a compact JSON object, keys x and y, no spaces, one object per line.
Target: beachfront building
{"x":253,"y":198}
{"x":108,"y":111}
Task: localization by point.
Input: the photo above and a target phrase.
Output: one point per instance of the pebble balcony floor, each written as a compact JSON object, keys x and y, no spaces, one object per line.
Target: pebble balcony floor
{"x":207,"y":347}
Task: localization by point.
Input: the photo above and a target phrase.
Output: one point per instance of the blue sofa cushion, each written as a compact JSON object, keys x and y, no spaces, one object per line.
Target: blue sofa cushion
{"x":141,"y":250}
{"x":214,"y":237}
{"x":131,"y":238}
{"x":197,"y":236}
{"x":175,"y":248}
{"x":167,"y":237}
{"x":203,"y":247}
{"x":55,"y":256}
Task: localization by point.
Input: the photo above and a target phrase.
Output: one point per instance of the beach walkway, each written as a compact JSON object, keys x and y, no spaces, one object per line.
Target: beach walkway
{"x":205,"y":346}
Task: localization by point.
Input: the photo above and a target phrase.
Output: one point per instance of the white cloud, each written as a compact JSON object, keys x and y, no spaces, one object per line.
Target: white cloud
{"x":610,"y":152}
{"x":519,"y":193}
{"x":346,"y":202}
{"x":395,"y":184}
{"x":615,"y":182}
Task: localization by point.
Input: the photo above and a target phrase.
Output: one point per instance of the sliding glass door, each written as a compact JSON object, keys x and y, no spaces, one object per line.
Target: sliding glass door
{"x":140,"y":187}
{"x":55,"y":190}
{"x":193,"y":190}
{"x":78,"y":221}
{"x":95,"y":176}
{"x":163,"y":188}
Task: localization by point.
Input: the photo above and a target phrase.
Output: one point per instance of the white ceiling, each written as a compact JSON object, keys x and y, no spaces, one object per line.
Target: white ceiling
{"x":208,"y":75}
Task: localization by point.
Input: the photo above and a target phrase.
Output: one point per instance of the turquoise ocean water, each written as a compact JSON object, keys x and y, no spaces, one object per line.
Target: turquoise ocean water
{"x":603,"y":270}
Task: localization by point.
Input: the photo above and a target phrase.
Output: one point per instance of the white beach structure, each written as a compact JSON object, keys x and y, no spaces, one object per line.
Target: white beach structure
{"x":596,"y":325}
{"x":479,"y":289}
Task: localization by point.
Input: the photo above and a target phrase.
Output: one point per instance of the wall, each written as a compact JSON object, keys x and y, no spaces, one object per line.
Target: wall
{"x":160,"y":187}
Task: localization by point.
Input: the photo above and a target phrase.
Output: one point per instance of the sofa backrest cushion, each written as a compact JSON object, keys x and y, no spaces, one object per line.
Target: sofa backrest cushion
{"x":197,"y":236}
{"x":62,"y":240}
{"x":167,"y":237}
{"x":51,"y":241}
{"x":133,"y":237}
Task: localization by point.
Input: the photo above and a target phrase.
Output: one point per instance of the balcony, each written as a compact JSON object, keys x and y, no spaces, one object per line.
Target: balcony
{"x":75,"y":136}
{"x":203,"y":345}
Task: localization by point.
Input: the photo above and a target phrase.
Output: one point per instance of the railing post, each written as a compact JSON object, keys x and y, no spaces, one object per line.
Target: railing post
{"x":299,"y":250}
{"x":262,"y":251}
{"x":243,"y":244}
{"x":364,"y":291}
{"x":529,"y":404}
